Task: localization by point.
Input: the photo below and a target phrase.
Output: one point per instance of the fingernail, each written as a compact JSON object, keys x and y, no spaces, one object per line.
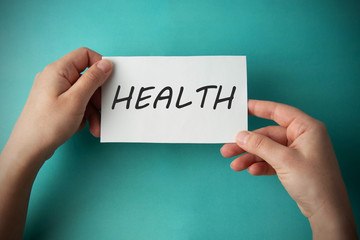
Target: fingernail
{"x":104,"y":65}
{"x":242,"y":137}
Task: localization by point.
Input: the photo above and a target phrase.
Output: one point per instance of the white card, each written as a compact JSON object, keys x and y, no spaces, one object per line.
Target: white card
{"x":200,"y":99}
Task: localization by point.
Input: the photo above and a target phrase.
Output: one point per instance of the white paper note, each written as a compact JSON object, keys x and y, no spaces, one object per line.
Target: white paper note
{"x":200,"y":99}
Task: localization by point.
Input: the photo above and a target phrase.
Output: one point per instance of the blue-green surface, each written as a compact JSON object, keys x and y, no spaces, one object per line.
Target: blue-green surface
{"x":304,"y":53}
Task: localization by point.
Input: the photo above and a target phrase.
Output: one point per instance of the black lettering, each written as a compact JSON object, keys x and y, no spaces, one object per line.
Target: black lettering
{"x":140,"y":98}
{"x":218,"y":99}
{"x":178,"y":105}
{"x":161,"y":97}
{"x":205,"y":89}
{"x":127,"y":99}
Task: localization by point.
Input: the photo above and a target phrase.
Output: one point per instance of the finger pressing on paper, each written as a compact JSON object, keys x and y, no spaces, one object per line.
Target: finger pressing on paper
{"x":84,"y":88}
{"x":73,"y":63}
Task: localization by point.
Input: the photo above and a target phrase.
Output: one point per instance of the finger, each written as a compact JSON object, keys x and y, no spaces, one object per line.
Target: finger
{"x":81,"y":92}
{"x":276,"y":133}
{"x":289,"y":117}
{"x":73,"y":63}
{"x":96,"y":99}
{"x":250,"y":162}
{"x":272,"y":152}
{"x":230,"y":150}
{"x":93,"y":117}
{"x":244,"y":161}
{"x":261,"y":168}
{"x":283,"y":114}
{"x":82,"y":124}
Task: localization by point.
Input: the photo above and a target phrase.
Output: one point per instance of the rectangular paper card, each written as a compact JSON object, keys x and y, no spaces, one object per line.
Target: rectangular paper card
{"x":200,"y":99}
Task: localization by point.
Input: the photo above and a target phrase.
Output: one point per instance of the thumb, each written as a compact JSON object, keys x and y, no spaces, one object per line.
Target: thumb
{"x":91,"y":80}
{"x":270,"y":151}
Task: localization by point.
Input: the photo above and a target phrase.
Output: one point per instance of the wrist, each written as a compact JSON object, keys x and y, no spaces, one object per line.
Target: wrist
{"x":26,"y":146}
{"x":334,"y":221}
{"x":23,"y":154}
{"x":16,"y":159}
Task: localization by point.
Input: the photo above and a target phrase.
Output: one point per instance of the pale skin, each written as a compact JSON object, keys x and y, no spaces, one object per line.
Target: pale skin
{"x":299,"y":151}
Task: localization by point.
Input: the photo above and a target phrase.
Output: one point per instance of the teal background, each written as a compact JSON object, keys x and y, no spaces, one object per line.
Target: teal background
{"x":303,"y":53}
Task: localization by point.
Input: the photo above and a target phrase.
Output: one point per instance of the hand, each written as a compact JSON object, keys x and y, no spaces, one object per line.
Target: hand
{"x":300,"y":152}
{"x":60,"y":102}
{"x":58,"y":105}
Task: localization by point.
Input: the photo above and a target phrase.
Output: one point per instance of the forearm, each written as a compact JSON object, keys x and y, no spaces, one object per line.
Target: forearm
{"x":334,"y":222}
{"x":55,"y":110}
{"x":18,"y":169}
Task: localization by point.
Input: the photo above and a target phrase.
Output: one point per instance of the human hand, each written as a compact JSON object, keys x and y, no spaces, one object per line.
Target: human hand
{"x":60,"y":102}
{"x":300,"y":152}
